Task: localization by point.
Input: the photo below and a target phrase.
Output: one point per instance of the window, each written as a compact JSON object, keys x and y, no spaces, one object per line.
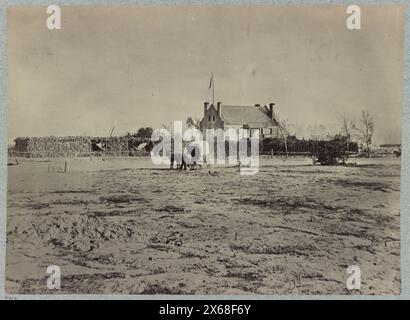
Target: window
{"x":213,"y":118}
{"x":209,"y":118}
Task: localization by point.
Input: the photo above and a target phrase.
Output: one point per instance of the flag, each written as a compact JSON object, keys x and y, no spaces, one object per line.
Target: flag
{"x":211,"y":81}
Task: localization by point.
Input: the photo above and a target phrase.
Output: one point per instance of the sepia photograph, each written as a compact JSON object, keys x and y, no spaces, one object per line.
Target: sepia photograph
{"x":204,"y":149}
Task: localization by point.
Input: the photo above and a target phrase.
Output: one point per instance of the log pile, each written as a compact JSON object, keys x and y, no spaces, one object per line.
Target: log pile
{"x":78,"y":146}
{"x":135,"y":142}
{"x":34,"y":147}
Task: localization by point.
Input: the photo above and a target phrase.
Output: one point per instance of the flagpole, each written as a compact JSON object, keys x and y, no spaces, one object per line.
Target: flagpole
{"x":213,"y":89}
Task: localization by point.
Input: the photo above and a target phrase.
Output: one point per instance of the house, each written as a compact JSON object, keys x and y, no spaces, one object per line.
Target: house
{"x":250,"y":118}
{"x":391,"y":149}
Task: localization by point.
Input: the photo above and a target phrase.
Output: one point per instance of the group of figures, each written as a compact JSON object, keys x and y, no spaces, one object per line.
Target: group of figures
{"x":183,"y":161}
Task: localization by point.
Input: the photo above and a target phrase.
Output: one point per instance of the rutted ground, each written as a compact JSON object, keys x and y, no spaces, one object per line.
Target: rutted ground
{"x":291,"y":229}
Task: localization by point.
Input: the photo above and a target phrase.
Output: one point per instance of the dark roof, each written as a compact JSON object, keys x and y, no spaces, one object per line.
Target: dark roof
{"x":250,"y":115}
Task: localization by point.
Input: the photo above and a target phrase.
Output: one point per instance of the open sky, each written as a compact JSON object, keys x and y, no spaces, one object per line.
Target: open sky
{"x":134,"y":66}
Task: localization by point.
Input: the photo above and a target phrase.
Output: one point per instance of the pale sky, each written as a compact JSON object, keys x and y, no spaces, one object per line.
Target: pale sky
{"x":134,"y":66}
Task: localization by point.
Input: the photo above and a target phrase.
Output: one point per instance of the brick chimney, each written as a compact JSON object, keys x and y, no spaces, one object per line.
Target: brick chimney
{"x":218,"y":107}
{"x":206,"y":104}
{"x":271,"y":113}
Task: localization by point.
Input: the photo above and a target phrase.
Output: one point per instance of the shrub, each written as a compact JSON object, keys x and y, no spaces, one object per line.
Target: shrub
{"x":295,"y":145}
{"x":331,"y":152}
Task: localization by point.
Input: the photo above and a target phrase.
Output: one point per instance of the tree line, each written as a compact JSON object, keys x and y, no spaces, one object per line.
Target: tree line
{"x":351,"y":138}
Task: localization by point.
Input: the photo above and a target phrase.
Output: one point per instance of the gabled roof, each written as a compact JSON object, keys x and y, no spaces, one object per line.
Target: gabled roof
{"x":250,"y":115}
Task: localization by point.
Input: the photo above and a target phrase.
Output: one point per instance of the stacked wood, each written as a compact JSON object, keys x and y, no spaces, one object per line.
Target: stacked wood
{"x":135,"y":142}
{"x":79,"y":146}
{"x":21,"y":145}
{"x":110,"y":146}
{"x":38,"y":147}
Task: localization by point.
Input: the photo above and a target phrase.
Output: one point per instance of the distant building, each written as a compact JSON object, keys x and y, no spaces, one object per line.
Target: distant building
{"x":392,"y":149}
{"x":250,"y":118}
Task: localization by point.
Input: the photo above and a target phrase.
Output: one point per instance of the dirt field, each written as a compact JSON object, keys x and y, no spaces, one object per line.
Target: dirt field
{"x":122,"y":226}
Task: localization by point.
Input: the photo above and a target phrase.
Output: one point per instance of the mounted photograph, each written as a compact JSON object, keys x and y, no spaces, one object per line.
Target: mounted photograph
{"x":204,"y":149}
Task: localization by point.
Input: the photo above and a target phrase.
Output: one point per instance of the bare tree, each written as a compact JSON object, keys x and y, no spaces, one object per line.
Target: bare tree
{"x":167,"y":126}
{"x":283,"y":126}
{"x":192,"y":123}
{"x":346,"y":129}
{"x":318,"y":132}
{"x":364,"y":131}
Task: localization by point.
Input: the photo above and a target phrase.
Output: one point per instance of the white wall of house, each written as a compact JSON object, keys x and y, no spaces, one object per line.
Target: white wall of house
{"x":272,"y":131}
